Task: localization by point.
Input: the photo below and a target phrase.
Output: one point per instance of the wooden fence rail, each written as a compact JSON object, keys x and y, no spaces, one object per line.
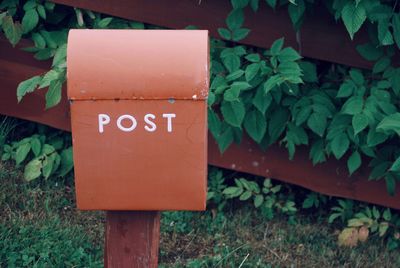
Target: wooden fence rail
{"x":330,"y":178}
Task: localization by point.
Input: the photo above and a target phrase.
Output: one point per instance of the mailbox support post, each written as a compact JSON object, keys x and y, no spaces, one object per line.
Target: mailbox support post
{"x":132,"y":239}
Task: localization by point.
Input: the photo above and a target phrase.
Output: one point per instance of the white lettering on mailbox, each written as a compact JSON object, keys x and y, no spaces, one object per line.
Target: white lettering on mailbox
{"x":104,"y":119}
{"x":151,"y":123}
{"x":131,"y":122}
{"x":169,"y":119}
{"x":131,"y":118}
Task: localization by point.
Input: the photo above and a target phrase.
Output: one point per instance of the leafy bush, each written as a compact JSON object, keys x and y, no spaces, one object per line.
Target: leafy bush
{"x":45,"y":153}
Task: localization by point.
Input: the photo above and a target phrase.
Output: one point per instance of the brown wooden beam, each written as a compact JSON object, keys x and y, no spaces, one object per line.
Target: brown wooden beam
{"x":329,"y":178}
{"x":320,"y":37}
{"x":132,"y":239}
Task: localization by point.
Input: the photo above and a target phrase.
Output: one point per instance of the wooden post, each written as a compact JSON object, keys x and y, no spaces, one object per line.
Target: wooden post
{"x":132,"y":239}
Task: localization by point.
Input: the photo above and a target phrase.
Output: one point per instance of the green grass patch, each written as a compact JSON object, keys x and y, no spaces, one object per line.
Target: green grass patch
{"x":41,"y":227}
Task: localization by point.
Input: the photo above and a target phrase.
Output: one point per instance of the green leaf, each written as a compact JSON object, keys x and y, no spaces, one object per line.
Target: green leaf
{"x":390,"y":184}
{"x":231,"y":62}
{"x":277,"y":123}
{"x":48,"y":149}
{"x":317,"y":123}
{"x":383,"y":227}
{"x":225,"y":139}
{"x":241,"y":85}
{"x":254,"y":5}
{"x":33,"y":169}
{"x":308,"y":202}
{"x":369,"y":52}
{"x":48,"y":165}
{"x":53,"y":95}
{"x":390,"y":123}
{"x":353,"y":106}
{"x":235,"y":19}
{"x":374,"y":138}
{"x":289,"y":70}
{"x":60,"y":55}
{"x":381,"y":65}
{"x":41,"y":11}
{"x":387,"y":215}
{"x":44,"y":54}
{"x":277,"y":46}
{"x":379,"y":170}
{"x":384,"y":35}
{"x":103,"y":23}
{"x":232,"y":94}
{"x":357,"y":76}
{"x":234,"y":75}
{"x":239,"y":3}
{"x":246,"y":195}
{"x":353,"y":16}
{"x":258,"y":200}
{"x":346,"y":89}
{"x":22,"y":152}
{"x":30,"y":20}
{"x":262,"y":101}
{"x":309,"y":71}
{"x":333,"y":217}
{"x":317,"y":152}
{"x":239,"y":34}
{"x":354,"y":162}
{"x":30,"y":4}
{"x":38,"y":40}
{"x":13,"y":31}
{"x":255,"y":125}
{"x":396,"y":165}
{"x":27,"y":86}
{"x":232,"y":191}
{"x":396,"y":28}
{"x":272,"y":82}
{"x":67,"y":162}
{"x":214,"y":123}
{"x":36,"y":146}
{"x":359,"y":122}
{"x":303,"y":114}
{"x":49,"y":77}
{"x":251,"y":71}
{"x":225,"y":33}
{"x":253,"y":57}
{"x":288,"y":54}
{"x":296,"y":12}
{"x":272,"y":3}
{"x":339,"y":145}
{"x":233,"y":112}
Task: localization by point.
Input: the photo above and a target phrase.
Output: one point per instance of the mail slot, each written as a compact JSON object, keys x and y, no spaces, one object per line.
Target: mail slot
{"x":139,"y":118}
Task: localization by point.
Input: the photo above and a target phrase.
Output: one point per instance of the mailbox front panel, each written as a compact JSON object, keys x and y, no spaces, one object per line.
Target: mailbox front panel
{"x":140,"y":154}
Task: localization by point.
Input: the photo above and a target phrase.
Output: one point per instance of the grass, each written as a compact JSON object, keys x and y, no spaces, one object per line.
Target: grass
{"x":40,"y":227}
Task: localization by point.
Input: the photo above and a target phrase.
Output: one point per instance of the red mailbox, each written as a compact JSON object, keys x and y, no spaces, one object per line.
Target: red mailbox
{"x":139,"y":118}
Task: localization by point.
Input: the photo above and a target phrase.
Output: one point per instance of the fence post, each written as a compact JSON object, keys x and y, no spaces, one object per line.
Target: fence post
{"x":131,"y":239}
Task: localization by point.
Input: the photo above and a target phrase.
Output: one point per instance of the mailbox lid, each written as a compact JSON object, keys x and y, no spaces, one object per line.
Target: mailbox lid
{"x":171,"y":64}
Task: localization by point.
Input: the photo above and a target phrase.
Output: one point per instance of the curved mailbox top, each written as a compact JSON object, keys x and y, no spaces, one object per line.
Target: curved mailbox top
{"x":137,"y":64}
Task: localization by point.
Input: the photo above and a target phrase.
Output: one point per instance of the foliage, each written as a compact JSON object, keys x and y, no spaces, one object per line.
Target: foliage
{"x":358,"y":221}
{"x":275,"y":96}
{"x":47,"y":153}
{"x":368,"y":221}
{"x":6,"y":126}
{"x":341,"y":112}
{"x":45,"y":244}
